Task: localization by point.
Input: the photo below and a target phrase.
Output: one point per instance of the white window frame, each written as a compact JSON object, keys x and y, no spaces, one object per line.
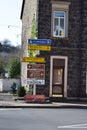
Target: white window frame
{"x":58,"y":6}
{"x":59,"y":24}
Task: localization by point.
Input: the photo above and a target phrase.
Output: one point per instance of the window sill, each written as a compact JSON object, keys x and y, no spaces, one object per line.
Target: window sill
{"x":59,"y":38}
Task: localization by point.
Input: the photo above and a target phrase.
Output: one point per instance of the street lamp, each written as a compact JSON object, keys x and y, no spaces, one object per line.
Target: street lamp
{"x":12,"y":26}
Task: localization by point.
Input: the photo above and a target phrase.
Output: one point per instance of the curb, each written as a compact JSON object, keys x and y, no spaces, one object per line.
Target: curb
{"x":45,"y":106}
{"x":41,"y":107}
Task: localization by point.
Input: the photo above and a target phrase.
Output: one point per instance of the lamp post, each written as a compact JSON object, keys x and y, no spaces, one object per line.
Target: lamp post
{"x":17,"y":27}
{"x":13,"y":26}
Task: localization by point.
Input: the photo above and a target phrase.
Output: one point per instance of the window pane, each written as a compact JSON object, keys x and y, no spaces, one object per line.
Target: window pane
{"x":58,"y":76}
{"x":56,"y":26}
{"x":56,"y":22}
{"x":59,"y":14}
{"x":62,"y":23}
{"x":61,"y":27}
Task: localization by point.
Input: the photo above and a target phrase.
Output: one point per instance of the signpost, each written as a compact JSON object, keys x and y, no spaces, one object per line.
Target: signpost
{"x":35,"y":75}
{"x":39,"y":41}
{"x":33,"y":59}
{"x":42,"y":48}
{"x":36,"y":66}
{"x":34,"y":81}
{"x":36,"y":72}
{"x":39,"y":74}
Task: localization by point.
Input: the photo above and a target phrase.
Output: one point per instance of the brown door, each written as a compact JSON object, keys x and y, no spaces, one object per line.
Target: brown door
{"x":58,"y":81}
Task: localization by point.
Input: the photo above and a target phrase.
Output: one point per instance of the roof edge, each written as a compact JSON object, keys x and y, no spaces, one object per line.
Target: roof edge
{"x":22,"y":9}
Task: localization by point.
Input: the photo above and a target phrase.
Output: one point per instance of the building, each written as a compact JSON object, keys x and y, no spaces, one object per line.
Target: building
{"x":65,"y":23}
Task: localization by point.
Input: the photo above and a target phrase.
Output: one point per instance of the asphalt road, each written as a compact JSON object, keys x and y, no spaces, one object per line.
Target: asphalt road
{"x":43,"y":119}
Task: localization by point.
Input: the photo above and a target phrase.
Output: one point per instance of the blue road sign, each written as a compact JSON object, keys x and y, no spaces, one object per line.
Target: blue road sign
{"x":40,"y":41}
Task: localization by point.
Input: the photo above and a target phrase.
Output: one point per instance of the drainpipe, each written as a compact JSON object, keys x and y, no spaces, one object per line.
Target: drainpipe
{"x":80,"y":52}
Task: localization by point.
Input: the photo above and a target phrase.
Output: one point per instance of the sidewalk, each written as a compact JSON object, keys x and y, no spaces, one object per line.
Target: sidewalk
{"x":8,"y":101}
{"x":22,"y":104}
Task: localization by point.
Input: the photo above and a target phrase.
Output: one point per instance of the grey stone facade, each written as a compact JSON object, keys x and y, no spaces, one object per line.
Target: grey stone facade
{"x":74,"y":46}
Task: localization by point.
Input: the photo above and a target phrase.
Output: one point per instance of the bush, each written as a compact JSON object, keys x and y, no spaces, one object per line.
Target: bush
{"x":14,"y":68}
{"x":21,"y":91}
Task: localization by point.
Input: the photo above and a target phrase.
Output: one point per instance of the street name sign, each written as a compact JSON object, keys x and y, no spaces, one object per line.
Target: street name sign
{"x":40,"y":41}
{"x":34,"y":81}
{"x":35,"y":66}
{"x":38,"y":74}
{"x":42,"y":48}
{"x":33,"y":59}
{"x":36,"y":71}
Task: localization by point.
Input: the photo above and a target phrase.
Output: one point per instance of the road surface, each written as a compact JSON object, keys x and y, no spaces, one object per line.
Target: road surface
{"x":43,"y":119}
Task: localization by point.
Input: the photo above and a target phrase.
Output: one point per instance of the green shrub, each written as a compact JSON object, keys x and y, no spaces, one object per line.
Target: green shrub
{"x":21,"y":91}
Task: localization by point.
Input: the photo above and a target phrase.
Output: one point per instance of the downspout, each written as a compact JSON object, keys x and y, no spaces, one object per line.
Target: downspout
{"x":80,"y":52}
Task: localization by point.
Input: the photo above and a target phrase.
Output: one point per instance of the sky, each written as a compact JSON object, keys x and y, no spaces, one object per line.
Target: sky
{"x":10,"y":22}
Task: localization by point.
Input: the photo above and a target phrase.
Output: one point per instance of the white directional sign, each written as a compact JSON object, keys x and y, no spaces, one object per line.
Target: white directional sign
{"x":34,"y":81}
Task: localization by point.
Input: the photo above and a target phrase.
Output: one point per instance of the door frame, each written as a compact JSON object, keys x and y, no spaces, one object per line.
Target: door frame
{"x":65,"y":58}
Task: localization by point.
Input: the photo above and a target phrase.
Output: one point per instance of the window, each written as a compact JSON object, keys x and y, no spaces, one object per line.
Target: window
{"x":58,"y":76}
{"x":58,"y":24}
{"x":60,"y":19}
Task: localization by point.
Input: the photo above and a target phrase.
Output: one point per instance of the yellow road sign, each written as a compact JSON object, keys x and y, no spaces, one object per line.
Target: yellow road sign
{"x":33,"y":59}
{"x":36,"y":47}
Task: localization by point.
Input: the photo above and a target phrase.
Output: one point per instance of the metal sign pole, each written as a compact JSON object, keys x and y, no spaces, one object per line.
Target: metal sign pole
{"x":34,"y":89}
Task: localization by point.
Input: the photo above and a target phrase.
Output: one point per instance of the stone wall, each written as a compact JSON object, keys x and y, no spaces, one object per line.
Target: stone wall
{"x":71,"y":47}
{"x":5,"y":84}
